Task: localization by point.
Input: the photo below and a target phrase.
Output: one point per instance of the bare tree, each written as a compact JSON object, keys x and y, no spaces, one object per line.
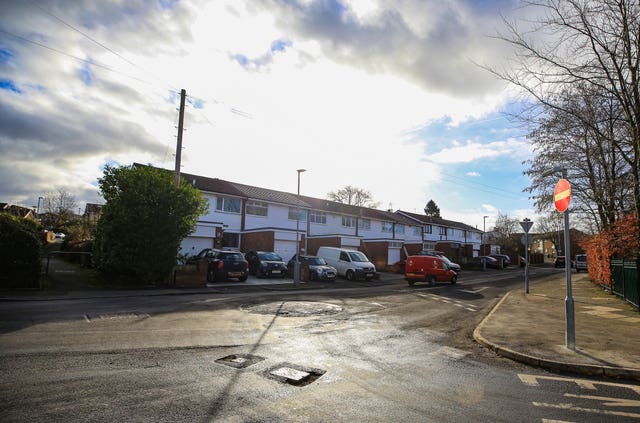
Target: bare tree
{"x":589,"y":46}
{"x":551,"y":228}
{"x":503,"y":231}
{"x":353,"y":196}
{"x":58,"y":209}
{"x":600,"y":178}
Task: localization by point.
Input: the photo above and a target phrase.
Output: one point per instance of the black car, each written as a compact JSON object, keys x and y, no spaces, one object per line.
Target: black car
{"x":506,"y":260}
{"x":319,"y":270}
{"x":203,"y":254}
{"x":265,"y":264}
{"x":490,"y":261}
{"x":559,"y":262}
{"x":223,"y":265}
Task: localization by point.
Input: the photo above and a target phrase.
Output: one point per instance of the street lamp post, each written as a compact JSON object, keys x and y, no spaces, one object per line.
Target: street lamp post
{"x":296,"y":266}
{"x":482,"y":246}
{"x":38,"y":209}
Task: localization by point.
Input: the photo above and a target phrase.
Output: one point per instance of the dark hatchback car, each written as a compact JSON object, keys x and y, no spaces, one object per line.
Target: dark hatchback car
{"x":223,"y":265}
{"x":559,"y":262}
{"x":319,"y":270}
{"x":266,"y":264}
{"x":506,"y":260}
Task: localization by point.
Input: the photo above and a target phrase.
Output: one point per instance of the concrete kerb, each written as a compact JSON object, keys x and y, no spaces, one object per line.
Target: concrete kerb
{"x":551,"y":365}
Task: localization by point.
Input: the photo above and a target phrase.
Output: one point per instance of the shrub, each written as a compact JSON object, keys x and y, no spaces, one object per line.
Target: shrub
{"x":621,"y":240}
{"x":19,"y":253}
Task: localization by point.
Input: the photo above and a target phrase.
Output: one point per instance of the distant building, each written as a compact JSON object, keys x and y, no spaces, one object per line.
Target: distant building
{"x":19,"y":211}
{"x":92,"y":212}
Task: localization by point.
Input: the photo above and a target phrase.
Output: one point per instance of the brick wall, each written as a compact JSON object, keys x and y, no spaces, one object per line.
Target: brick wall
{"x":378,"y":253}
{"x":314,"y":243}
{"x":257,"y":241}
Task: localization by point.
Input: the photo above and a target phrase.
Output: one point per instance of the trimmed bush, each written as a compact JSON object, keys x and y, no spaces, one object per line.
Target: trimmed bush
{"x":19,"y":253}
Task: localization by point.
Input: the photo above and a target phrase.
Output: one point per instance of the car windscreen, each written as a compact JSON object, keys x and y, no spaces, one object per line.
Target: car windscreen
{"x":231,"y":256}
{"x":269,"y":257}
{"x":357,"y":256}
{"x":316,"y":261}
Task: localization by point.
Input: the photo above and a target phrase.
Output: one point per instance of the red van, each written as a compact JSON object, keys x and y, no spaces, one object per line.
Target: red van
{"x":428,"y":269}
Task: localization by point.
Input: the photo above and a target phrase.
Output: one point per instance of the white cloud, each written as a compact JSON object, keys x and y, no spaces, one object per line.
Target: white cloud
{"x":341,"y":94}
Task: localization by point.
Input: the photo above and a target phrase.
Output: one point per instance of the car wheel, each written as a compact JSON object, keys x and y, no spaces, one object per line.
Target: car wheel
{"x":350,"y":275}
{"x":411,"y":283}
{"x":454,"y":279}
{"x":243,"y":278}
{"x":431,"y":281}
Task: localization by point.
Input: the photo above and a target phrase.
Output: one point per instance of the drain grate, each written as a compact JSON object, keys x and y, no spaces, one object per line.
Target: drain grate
{"x":293,"y":308}
{"x":240,"y":361}
{"x":115,"y":316}
{"x":293,"y":374}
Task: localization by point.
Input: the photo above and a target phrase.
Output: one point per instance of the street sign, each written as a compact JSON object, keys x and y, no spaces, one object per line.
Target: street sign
{"x":526,"y":225}
{"x":562,"y":195}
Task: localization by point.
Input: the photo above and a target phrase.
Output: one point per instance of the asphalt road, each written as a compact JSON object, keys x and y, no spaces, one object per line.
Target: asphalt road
{"x":360,"y":353}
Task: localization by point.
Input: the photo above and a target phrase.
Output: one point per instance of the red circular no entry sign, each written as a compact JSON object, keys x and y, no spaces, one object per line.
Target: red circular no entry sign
{"x":562,"y":195}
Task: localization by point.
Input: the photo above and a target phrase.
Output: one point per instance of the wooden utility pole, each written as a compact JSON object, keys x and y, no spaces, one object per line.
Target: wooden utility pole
{"x":183,"y":95}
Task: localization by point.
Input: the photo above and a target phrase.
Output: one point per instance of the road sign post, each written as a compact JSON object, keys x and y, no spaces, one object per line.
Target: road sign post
{"x":562,"y":199}
{"x":526,"y":225}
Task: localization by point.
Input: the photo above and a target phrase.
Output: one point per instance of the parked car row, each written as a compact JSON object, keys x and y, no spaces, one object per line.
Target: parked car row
{"x":580,"y":262}
{"x":327,"y":265}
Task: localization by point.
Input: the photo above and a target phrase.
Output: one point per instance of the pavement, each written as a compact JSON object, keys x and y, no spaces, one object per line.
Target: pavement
{"x":529,"y":328}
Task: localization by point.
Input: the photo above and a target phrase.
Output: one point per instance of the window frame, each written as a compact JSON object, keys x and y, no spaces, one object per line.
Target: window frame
{"x":222,"y":201}
{"x":253,"y":205}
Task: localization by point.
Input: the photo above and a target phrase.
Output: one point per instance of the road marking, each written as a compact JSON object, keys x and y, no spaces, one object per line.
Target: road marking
{"x":609,"y":402}
{"x":474,"y":291}
{"x":572,"y":407}
{"x":466,"y":306}
{"x":532,"y":380}
{"x":555,"y":421}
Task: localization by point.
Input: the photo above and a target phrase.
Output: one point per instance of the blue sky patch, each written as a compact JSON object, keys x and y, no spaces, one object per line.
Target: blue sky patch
{"x":86,"y":75}
{"x":5,"y":55}
{"x":167,"y":4}
{"x":280,"y":45}
{"x":9,"y":85}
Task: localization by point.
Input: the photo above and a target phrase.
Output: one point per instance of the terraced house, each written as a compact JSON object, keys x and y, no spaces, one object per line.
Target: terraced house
{"x":254,"y":218}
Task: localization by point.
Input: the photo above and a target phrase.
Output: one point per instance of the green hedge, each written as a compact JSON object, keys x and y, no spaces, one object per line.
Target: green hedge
{"x":19,"y":253}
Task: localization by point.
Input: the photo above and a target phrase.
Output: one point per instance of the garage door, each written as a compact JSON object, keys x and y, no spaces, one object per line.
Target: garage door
{"x":193,"y":245}
{"x":286,"y":249}
{"x":393,"y":255}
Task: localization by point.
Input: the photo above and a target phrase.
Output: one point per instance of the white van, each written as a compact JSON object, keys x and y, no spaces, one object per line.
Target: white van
{"x":351,"y":264}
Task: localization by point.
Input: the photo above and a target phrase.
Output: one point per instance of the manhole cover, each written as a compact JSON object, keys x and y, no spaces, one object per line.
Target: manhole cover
{"x":116,"y":316}
{"x":293,"y":374}
{"x":293,"y":308}
{"x":240,"y":361}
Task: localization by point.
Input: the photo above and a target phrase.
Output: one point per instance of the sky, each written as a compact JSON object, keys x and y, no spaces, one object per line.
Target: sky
{"x":384,"y":95}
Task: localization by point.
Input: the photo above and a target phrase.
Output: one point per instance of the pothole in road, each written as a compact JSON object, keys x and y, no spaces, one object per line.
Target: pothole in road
{"x":240,"y":361}
{"x":293,"y":308}
{"x":293,"y":374}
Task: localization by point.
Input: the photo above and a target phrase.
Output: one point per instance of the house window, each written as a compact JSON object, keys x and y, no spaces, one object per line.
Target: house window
{"x":387,"y":226}
{"x":428,"y":229}
{"x":293,"y":212}
{"x":395,"y":244}
{"x":400,"y":229}
{"x":257,"y":208}
{"x":318,"y":217}
{"x":348,"y":221}
{"x":364,"y":224}
{"x":227,"y":204}
{"x":443,"y":230}
{"x":416,"y":231}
